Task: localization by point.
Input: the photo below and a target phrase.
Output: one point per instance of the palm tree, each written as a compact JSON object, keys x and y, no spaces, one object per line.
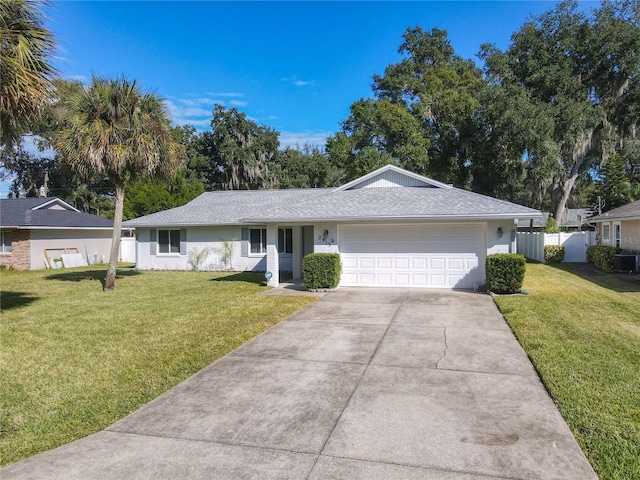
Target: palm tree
{"x":25,"y":71}
{"x":113,"y":129}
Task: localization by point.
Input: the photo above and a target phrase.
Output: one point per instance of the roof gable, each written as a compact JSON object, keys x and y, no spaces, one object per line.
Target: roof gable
{"x":391,"y":176}
{"x":48,"y":212}
{"x":55,"y":204}
{"x":630,"y":211}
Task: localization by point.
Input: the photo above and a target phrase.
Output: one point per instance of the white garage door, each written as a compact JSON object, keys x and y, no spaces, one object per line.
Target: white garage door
{"x":436,"y":256}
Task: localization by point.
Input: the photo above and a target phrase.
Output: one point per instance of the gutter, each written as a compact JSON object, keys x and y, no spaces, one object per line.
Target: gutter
{"x":393,"y":218}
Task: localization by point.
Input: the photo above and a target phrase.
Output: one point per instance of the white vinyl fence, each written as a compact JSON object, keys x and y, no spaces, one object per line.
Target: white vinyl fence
{"x":531,"y":245}
{"x":127,"y":249}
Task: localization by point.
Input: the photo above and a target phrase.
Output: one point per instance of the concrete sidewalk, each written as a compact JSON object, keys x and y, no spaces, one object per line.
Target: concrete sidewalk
{"x":363,"y":384}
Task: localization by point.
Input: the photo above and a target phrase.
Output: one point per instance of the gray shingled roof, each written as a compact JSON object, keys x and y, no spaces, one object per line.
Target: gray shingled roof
{"x":395,"y":203}
{"x":20,"y":213}
{"x":626,"y":212}
{"x":226,"y":207}
{"x":304,"y":205}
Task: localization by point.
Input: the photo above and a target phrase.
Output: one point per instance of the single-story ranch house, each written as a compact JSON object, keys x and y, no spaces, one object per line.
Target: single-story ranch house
{"x":392,"y":228}
{"x":36,"y":230}
{"x":620,"y":227}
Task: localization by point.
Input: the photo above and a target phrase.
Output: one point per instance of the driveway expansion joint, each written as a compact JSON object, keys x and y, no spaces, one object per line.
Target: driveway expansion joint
{"x":444,"y":354}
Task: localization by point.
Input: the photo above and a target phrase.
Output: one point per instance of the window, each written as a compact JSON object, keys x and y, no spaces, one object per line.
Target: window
{"x":285,"y":240}
{"x":606,"y":233}
{"x":258,"y":240}
{"x":617,"y":235}
{"x":168,"y":241}
{"x":6,"y":242}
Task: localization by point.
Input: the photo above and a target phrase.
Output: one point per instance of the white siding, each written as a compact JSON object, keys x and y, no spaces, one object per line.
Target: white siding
{"x":199,"y":238}
{"x":501,"y":244}
{"x":328,"y":244}
{"x":391,"y":179}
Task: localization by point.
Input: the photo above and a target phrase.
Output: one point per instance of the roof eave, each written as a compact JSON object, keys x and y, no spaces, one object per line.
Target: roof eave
{"x":57,"y":227}
{"x":611,"y":219}
{"x":479,"y":217}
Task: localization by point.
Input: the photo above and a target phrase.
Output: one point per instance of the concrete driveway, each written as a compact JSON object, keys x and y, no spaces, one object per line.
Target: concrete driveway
{"x":363,"y":384}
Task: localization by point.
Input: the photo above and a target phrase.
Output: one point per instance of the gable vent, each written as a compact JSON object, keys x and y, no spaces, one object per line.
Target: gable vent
{"x":391,"y":179}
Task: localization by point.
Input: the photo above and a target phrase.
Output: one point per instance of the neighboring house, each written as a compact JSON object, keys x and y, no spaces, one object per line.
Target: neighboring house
{"x":35,"y":230}
{"x":573,"y":220}
{"x":390,"y":227}
{"x":620,"y":227}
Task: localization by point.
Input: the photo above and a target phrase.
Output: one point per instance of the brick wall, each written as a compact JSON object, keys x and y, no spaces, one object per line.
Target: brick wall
{"x":20,"y":256}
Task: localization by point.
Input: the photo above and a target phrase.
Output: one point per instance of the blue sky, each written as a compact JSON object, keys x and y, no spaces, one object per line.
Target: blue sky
{"x":294,"y":66}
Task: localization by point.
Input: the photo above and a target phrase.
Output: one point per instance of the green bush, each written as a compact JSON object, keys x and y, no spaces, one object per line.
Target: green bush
{"x":321,"y":270}
{"x":505,"y":272}
{"x":602,"y":256}
{"x":553,"y":253}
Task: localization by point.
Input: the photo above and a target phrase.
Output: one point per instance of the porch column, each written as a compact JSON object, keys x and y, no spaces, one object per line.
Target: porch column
{"x":296,"y":256}
{"x":273,"y":262}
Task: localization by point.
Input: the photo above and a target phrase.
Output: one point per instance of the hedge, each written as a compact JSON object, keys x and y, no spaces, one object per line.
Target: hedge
{"x":553,"y":253}
{"x":505,"y":272}
{"x":602,"y":256}
{"x":321,"y":270}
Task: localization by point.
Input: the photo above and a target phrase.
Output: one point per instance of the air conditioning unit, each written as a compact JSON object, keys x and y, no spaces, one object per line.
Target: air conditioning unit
{"x":623,"y":262}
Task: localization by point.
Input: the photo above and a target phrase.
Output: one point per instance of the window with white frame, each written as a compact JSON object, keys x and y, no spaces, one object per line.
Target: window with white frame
{"x":606,"y":232}
{"x":258,"y":240}
{"x":5,"y":237}
{"x":285,"y":240}
{"x":168,"y":241}
{"x":617,"y":235}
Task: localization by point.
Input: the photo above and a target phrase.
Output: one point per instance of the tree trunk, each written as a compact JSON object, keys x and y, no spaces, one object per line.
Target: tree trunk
{"x":110,"y":279}
{"x":564,"y":187}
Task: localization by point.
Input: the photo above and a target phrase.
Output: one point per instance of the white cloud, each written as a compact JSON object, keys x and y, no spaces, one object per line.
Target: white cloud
{"x":226,"y":94}
{"x":292,"y":139}
{"x":297,"y":82}
{"x":197,"y":111}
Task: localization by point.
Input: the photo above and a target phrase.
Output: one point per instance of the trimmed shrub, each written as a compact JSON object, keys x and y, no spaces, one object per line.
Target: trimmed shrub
{"x":505,"y":272}
{"x":553,"y":253}
{"x":321,"y":270}
{"x":602,"y":256}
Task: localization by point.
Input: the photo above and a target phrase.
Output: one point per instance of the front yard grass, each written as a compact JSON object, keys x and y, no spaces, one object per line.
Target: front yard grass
{"x":582,"y":334}
{"x":75,"y":359}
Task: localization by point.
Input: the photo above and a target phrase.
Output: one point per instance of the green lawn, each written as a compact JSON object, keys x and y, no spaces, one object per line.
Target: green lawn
{"x":582,"y":333}
{"x":75,"y":359}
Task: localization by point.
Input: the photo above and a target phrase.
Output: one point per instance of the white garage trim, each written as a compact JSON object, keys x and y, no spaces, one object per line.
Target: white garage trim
{"x":428,"y":255}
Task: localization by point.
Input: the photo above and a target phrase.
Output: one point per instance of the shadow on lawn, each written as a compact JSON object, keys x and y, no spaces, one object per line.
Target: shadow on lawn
{"x":15,"y":299}
{"x":82,"y":275}
{"x":250,"y":277}
{"x":618,"y":282}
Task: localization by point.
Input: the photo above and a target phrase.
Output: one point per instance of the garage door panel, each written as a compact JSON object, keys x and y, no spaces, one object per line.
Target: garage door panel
{"x":402,"y":263}
{"x":419,"y":263}
{"x":385,"y":262}
{"x":367,"y":262}
{"x":438,"y":256}
{"x":437,"y":263}
{"x":455,"y":264}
